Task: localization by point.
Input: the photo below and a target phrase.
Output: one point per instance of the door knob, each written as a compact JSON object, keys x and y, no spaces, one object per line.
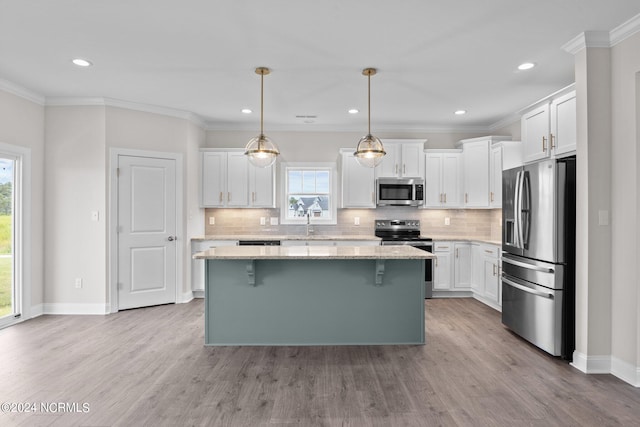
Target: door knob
{"x":172,"y":238}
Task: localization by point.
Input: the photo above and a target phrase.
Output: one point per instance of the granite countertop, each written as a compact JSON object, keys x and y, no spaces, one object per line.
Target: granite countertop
{"x":286,"y":237}
{"x":465,"y":239}
{"x":314,"y":252}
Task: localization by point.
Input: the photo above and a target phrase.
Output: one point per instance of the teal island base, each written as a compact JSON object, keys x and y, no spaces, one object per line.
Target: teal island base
{"x":314,"y":302}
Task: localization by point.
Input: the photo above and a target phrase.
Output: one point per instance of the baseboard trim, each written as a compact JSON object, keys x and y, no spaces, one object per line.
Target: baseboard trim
{"x":198,"y":294}
{"x":625,"y":371}
{"x":77,"y":309}
{"x":591,"y":364}
{"x":36,"y":310}
{"x":186,"y":297}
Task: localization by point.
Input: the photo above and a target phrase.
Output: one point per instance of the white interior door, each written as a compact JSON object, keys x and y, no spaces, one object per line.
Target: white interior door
{"x":147,"y":249}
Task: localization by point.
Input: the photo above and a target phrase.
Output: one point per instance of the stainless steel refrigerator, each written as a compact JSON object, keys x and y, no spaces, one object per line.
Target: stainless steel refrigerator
{"x":538,"y":259}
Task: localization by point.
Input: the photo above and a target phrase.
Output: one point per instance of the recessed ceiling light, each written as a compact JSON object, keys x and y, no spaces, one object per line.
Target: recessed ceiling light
{"x":82,"y":62}
{"x":526,"y":66}
{"x":354,"y":111}
{"x":247,"y":111}
{"x":460,"y":112}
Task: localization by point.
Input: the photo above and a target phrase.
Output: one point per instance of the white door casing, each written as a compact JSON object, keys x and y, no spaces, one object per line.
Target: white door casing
{"x":147,"y":248}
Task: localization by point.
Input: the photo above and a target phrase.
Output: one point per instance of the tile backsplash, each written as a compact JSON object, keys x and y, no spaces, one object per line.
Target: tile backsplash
{"x":471,"y":223}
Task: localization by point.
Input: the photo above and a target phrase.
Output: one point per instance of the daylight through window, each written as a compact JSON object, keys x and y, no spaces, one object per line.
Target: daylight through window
{"x":309,"y":193}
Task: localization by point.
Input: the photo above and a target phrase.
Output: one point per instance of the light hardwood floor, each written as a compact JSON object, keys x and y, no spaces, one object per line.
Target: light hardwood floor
{"x":149,"y":367}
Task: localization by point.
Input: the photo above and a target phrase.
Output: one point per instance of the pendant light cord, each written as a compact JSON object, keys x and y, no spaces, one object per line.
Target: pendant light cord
{"x":369,"y":102}
{"x":261,"y":102}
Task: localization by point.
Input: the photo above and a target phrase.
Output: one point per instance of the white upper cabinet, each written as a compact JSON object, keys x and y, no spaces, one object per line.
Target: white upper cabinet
{"x":214,"y":179}
{"x":535,"y":133}
{"x":237,"y":180}
{"x":495,"y":177}
{"x":476,"y":174}
{"x":443,"y":178}
{"x":262,"y":187}
{"x":563,"y":124}
{"x":476,"y":161}
{"x":549,"y":129}
{"x":358,"y":182}
{"x":229,"y":180}
{"x":404,"y":159}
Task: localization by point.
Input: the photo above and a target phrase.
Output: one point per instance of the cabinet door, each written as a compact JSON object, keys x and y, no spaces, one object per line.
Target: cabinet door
{"x":237,"y":178}
{"x":495,"y":178}
{"x":477,"y":269}
{"x":390,"y":165}
{"x":412,"y":156}
{"x":451,"y":180}
{"x":442,"y":271}
{"x":563,"y":124}
{"x":433,"y":194}
{"x":462,"y":266}
{"x":214,"y":179}
{"x":535,"y":134}
{"x":476,"y":174}
{"x":262,"y":186}
{"x":491,"y":278}
{"x":358,"y":184}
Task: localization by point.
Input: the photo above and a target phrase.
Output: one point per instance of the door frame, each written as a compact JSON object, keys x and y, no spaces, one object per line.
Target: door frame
{"x":22,"y":233}
{"x":112,"y":262}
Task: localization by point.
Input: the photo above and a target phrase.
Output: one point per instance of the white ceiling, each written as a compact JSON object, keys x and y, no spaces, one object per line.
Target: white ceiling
{"x":433,"y":57}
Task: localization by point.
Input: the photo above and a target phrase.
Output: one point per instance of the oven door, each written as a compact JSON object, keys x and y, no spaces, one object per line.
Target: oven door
{"x":428,"y":270}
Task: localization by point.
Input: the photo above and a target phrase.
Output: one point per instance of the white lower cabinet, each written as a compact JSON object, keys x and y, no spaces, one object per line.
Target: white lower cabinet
{"x":197,"y":265}
{"x":442,"y":267}
{"x":462,"y":266}
{"x":486,"y":274}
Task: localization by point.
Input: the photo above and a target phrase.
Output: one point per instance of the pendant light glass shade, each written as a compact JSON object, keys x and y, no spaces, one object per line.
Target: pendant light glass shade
{"x":261,"y":150}
{"x":369,"y":152}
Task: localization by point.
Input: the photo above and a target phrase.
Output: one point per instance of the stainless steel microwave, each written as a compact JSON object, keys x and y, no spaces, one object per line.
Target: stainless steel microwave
{"x":400,"y":191}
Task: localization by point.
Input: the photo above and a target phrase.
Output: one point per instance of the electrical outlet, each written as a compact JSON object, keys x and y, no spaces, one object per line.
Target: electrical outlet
{"x":274,"y":220}
{"x":263,"y":220}
{"x":356,"y":220}
{"x":78,"y":282}
{"x":447,"y":221}
{"x":212,"y":220}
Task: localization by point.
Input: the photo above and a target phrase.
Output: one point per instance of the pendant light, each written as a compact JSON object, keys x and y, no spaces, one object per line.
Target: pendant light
{"x":369,"y":152}
{"x":260,"y":150}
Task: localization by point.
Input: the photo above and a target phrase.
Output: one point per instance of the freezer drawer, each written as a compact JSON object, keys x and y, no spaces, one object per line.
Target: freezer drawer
{"x":533,"y":312}
{"x":538,"y":272}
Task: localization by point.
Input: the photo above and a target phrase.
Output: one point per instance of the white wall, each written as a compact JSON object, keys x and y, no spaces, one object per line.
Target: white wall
{"x":22,"y":124}
{"x":625,"y":209}
{"x":75,"y":182}
{"x":154,"y":132}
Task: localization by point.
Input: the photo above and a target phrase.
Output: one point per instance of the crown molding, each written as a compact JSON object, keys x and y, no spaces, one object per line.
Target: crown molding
{"x":507,"y":121}
{"x":604,"y":39}
{"x":21,"y":91}
{"x":127,"y":105}
{"x":587,"y":39}
{"x":624,"y":31}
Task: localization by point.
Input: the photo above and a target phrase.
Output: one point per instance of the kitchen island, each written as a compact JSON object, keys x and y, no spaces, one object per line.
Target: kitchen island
{"x":314,"y":295}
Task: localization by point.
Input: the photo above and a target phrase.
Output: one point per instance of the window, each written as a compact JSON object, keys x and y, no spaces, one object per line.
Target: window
{"x":308,"y":193}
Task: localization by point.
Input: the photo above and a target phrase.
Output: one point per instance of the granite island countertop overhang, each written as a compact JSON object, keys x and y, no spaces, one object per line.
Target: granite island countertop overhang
{"x":273,"y":237}
{"x":313,"y":252}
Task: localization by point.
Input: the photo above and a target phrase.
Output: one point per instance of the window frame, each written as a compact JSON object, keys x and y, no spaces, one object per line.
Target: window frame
{"x":333,"y":193}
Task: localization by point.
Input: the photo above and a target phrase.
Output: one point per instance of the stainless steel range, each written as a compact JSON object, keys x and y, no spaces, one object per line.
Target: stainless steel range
{"x":407,"y":232}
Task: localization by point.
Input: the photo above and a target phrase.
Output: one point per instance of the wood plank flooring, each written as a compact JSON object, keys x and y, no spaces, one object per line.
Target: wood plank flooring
{"x":149,"y":367}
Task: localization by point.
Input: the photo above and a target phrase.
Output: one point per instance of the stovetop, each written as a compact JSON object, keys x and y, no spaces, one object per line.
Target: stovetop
{"x":399,"y":230}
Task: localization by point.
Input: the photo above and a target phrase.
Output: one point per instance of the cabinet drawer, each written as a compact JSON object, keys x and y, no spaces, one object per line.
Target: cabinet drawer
{"x":442,"y":246}
{"x":490,"y":251}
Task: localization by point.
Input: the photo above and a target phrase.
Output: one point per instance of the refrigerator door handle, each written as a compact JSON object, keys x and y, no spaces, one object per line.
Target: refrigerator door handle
{"x":526,"y":289}
{"x":516,"y":210}
{"x":525,"y":208}
{"x":519,"y":222}
{"x":528,"y":266}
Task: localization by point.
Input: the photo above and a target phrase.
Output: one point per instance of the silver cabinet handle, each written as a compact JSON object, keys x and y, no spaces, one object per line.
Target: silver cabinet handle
{"x":551,"y":139}
{"x":457,"y":252}
{"x":172,"y":238}
{"x":528,"y":266}
{"x":466,"y":197}
{"x":544,"y":143}
{"x":253,"y":196}
{"x":396,"y":168}
{"x":404,"y":169}
{"x":445,"y":198}
{"x":221,"y":197}
{"x":229,"y":196}
{"x":526,"y":289}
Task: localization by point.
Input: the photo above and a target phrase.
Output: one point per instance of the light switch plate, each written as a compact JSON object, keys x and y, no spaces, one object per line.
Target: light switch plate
{"x":263,"y":220}
{"x":212,"y":220}
{"x":274,"y":220}
{"x":356,"y":220}
{"x":447,"y":221}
